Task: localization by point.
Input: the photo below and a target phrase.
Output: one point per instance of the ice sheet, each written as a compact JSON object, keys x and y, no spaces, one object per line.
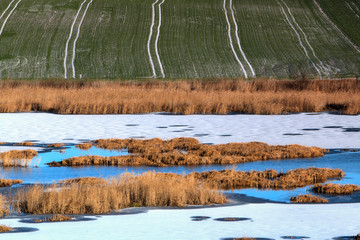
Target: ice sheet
{"x":268,"y":220}
{"x":49,"y":128}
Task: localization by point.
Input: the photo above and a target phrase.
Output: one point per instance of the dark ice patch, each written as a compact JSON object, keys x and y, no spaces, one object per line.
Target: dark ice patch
{"x":21,"y":230}
{"x":232,"y":219}
{"x":132,"y":125}
{"x":351,"y":130}
{"x":199,"y":218}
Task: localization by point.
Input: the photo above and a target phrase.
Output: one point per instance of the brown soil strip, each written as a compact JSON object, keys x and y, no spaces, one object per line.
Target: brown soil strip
{"x":308,"y":199}
{"x":180,"y":97}
{"x":336,"y":189}
{"x":188,"y":151}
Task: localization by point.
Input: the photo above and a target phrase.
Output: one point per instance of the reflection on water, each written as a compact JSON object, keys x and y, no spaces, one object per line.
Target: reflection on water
{"x":349,"y":162}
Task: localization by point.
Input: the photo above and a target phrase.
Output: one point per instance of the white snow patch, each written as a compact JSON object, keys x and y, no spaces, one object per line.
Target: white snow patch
{"x":269,"y":221}
{"x":53,"y":128}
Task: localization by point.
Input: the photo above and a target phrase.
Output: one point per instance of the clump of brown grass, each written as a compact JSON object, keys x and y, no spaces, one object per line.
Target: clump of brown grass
{"x":55,"y":218}
{"x":9,"y":182}
{"x":308,"y":199}
{"x":55,"y":145}
{"x":4,"y":209}
{"x":182,"y":97}
{"x":84,"y":146}
{"x":17,"y":158}
{"x":331,"y":188}
{"x":268,"y":179}
{"x":4,"y":229}
{"x":128,"y":190}
{"x":86,"y":181}
{"x":188,"y":151}
{"x":24,"y":144}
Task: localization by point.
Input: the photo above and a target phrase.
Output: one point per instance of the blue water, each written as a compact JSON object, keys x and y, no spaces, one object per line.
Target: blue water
{"x":349,"y":162}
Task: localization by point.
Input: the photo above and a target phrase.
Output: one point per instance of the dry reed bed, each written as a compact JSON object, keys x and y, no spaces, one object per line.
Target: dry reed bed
{"x":24,"y":144}
{"x":331,"y":188}
{"x":84,"y":146}
{"x":188,"y":151}
{"x":55,"y":218}
{"x":4,"y":229}
{"x":4,"y":208}
{"x":268,"y":179}
{"x":128,"y":190}
{"x":181,"y":97}
{"x":55,"y":145}
{"x":9,"y":182}
{"x":308,"y":199}
{"x":17,"y":158}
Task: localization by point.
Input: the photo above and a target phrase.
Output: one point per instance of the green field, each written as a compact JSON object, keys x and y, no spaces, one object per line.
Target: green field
{"x":277,"y":39}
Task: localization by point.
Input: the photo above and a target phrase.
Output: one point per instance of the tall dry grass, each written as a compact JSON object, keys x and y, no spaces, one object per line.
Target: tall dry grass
{"x":128,"y":190}
{"x":4,"y":228}
{"x":331,"y":188}
{"x":188,"y":151}
{"x":18,"y":158}
{"x":268,"y":179}
{"x":183,"y":97}
{"x":308,"y":199}
{"x":9,"y":182}
{"x":4,"y":209}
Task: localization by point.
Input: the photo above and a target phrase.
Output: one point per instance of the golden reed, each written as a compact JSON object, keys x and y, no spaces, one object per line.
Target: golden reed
{"x":180,"y":97}
{"x":187,"y":151}
{"x":128,"y":190}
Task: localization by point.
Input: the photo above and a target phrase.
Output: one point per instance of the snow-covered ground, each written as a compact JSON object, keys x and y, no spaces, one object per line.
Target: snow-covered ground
{"x":50,"y":128}
{"x":268,"y":220}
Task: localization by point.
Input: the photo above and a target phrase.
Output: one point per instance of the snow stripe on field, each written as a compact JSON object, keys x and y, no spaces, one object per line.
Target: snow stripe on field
{"x":238,"y":39}
{"x":336,"y":27}
{"x":6,"y":19}
{"x":325,"y":70}
{"x":77,"y":37}
{"x":349,"y":6}
{"x":231,"y":42}
{"x":7,"y":9}
{"x":150,"y":36}
{"x":70,"y":35}
{"x":299,"y":37}
{"x":157,"y":40}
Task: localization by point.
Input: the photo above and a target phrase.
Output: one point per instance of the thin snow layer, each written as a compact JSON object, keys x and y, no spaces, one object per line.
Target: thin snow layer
{"x":305,"y":129}
{"x":268,"y":221}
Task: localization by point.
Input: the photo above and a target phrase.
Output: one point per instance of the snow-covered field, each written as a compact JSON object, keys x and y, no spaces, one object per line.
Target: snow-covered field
{"x":51,"y":128}
{"x":268,"y":220}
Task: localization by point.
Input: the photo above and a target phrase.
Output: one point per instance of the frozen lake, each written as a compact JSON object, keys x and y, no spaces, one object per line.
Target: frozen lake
{"x":324,"y":221}
{"x":322,"y":130}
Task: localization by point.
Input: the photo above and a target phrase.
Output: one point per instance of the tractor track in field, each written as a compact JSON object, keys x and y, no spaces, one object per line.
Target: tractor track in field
{"x":9,"y":15}
{"x":151,"y":32}
{"x":238,"y":40}
{"x":300,"y":40}
{"x":336,"y":27}
{"x":231,"y":41}
{"x":75,"y":40}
